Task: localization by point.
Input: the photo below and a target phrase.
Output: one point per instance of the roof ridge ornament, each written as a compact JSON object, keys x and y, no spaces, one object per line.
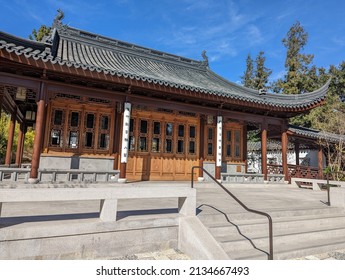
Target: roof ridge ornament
{"x":205,"y":57}
{"x":58,"y":18}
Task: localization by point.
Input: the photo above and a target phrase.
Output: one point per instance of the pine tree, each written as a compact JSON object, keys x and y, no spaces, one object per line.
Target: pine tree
{"x":248,"y":77}
{"x":256,"y":78}
{"x":262,"y":73}
{"x":297,"y":64}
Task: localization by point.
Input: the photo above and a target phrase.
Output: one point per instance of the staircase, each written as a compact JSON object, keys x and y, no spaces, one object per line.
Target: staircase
{"x":303,"y":224}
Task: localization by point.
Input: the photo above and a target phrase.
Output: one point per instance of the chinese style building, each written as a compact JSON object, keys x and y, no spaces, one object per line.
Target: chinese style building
{"x":100,"y":103}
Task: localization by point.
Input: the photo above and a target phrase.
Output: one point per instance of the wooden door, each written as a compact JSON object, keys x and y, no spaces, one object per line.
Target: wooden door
{"x":162,"y":146}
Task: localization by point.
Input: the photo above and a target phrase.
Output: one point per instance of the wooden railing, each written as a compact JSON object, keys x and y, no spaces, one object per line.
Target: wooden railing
{"x":295,"y":171}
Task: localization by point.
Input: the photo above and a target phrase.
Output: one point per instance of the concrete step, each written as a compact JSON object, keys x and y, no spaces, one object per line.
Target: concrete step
{"x":291,"y":250}
{"x":214,"y":216}
{"x":246,"y":242}
{"x":279,"y":224}
{"x":297,"y":232}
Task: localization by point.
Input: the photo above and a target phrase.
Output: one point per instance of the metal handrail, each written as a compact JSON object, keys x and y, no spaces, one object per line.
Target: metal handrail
{"x":270,"y":223}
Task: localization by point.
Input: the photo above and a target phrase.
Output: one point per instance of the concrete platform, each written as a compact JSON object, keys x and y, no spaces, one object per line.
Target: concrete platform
{"x":142,"y":222}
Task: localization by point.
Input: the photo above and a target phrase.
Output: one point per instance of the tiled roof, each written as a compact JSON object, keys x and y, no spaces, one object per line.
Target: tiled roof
{"x":272,"y":145}
{"x":316,"y":134}
{"x":79,"y":49}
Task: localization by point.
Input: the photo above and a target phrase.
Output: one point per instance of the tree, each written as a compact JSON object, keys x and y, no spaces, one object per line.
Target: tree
{"x":256,"y":78}
{"x":297,"y":64}
{"x":262,"y":73}
{"x":248,"y":77}
{"x":40,"y":34}
{"x":4,"y":124}
{"x":4,"y":128}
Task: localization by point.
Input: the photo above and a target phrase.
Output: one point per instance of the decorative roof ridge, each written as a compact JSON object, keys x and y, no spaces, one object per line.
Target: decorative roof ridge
{"x":23,"y":41}
{"x":303,"y":128}
{"x":319,"y":93}
{"x":25,"y":46}
{"x":100,"y":41}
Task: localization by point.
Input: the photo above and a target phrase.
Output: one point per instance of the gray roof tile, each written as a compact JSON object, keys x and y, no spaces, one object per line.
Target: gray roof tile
{"x":80,"y":49}
{"x":316,"y":134}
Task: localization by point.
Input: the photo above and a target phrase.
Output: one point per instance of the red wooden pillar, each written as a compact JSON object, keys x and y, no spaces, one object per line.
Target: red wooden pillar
{"x":38,"y":141}
{"x":201,"y":148}
{"x":320,"y":162}
{"x":297,"y":152}
{"x":264,"y":129}
{"x":10,"y":139}
{"x":284,"y":155}
{"x":117,"y":139}
{"x":20,"y":144}
{"x":245,"y":147}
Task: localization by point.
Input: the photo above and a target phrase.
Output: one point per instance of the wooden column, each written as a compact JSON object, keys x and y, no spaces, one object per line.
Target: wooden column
{"x":117,"y":134}
{"x":201,"y":147}
{"x":10,"y":139}
{"x":264,"y":128}
{"x":284,"y":155}
{"x":219,"y":147}
{"x":125,"y":141}
{"x":320,"y":162}
{"x":245,"y":147}
{"x":297,"y":150}
{"x":20,"y":144}
{"x":40,"y":121}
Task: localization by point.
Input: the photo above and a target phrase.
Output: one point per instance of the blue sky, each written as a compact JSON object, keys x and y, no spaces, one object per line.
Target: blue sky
{"x":227,"y":30}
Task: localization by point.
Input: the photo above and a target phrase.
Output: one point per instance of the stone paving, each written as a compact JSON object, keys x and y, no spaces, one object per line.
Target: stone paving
{"x":170,"y":254}
{"x":175,"y":254}
{"x":335,"y":255}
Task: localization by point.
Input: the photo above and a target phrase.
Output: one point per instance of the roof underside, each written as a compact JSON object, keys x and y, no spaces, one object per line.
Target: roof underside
{"x":75,"y":48}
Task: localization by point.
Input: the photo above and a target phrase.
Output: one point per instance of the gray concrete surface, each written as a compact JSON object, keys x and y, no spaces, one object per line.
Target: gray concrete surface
{"x":283,"y":202}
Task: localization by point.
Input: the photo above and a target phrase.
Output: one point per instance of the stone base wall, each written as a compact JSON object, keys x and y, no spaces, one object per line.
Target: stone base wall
{"x":76,"y":162}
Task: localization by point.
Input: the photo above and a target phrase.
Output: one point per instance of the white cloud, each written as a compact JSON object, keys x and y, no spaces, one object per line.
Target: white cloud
{"x":339,"y":41}
{"x":254,"y":35}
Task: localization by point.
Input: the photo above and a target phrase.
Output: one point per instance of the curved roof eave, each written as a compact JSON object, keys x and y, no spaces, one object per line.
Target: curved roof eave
{"x":202,"y":79}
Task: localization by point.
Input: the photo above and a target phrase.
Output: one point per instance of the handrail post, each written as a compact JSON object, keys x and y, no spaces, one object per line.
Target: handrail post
{"x":270,"y":222}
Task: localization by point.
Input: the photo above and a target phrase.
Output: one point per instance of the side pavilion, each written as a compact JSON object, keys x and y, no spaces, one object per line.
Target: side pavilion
{"x":104,"y":104}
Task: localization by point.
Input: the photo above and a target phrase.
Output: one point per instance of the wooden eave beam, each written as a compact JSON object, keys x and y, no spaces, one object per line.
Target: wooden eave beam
{"x":12,"y":108}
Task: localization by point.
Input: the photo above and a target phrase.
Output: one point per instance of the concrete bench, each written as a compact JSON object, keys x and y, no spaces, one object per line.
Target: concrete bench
{"x":316,"y":183}
{"x":108,"y":196}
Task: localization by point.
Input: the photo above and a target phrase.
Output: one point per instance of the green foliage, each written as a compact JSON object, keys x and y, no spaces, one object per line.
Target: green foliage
{"x":297,"y":65}
{"x":4,"y":128}
{"x":262,"y":73}
{"x":40,"y":34}
{"x":29,"y":143}
{"x":248,"y":77}
{"x":4,"y":125}
{"x":256,"y":78}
